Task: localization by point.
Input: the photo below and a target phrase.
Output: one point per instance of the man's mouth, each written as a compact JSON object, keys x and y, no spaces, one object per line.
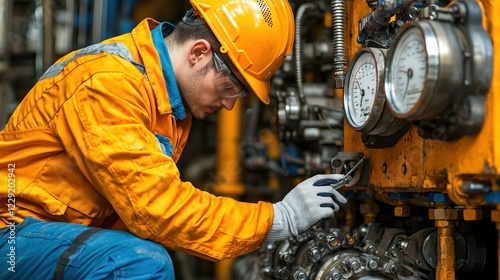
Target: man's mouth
{"x":214,"y":109}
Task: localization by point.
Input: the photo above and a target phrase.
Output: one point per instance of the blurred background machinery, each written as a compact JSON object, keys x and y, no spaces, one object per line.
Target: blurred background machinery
{"x":399,"y":94}
{"x":33,"y":34}
{"x":407,"y":89}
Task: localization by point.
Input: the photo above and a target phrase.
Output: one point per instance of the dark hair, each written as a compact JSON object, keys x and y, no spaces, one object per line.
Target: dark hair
{"x":184,"y":32}
{"x":193,"y":27}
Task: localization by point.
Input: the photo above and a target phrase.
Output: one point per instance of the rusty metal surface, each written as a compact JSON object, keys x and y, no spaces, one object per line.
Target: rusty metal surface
{"x":415,"y":164}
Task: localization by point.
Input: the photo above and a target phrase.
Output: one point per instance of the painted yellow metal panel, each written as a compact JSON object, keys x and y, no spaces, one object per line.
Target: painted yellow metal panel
{"x":421,"y":165}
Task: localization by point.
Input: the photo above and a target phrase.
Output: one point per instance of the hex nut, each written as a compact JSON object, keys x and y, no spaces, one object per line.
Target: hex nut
{"x":402,"y":211}
{"x":473,"y":214}
{"x":495,"y":216}
{"x":443,"y":214}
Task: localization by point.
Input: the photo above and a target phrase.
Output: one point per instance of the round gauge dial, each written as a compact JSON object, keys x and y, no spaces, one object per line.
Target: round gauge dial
{"x":363,"y":93}
{"x":423,"y":69}
{"x":408,"y":72}
{"x":363,"y":87}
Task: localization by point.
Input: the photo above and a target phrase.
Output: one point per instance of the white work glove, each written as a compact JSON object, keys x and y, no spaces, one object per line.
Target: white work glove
{"x":309,"y":202}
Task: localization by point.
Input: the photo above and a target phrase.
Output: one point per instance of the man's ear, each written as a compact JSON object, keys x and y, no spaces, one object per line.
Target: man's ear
{"x":200,"y":50}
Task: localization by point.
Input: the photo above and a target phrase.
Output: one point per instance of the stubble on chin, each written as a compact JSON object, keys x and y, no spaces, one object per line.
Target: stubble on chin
{"x":195,"y":113}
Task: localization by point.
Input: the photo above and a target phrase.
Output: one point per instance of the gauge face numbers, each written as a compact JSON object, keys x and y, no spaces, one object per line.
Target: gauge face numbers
{"x":362,"y":87}
{"x":407,"y":69}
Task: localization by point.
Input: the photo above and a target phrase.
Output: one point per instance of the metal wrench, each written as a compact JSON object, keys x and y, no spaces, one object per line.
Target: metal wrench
{"x":347,"y":177}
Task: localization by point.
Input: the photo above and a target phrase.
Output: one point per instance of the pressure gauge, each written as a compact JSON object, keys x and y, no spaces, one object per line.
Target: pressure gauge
{"x":424,"y":69}
{"x":363,"y":93}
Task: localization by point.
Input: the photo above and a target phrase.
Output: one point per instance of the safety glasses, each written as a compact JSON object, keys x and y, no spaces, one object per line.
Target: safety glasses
{"x":226,"y":82}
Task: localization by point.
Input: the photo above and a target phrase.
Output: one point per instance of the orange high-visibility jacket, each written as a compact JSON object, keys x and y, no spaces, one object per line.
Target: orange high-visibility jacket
{"x":99,"y":134}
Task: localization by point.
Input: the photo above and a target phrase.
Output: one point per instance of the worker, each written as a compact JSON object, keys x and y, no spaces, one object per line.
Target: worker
{"x":89,"y":183}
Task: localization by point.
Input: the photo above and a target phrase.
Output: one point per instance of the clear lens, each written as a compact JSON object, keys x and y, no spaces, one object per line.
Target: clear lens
{"x":226,"y":83}
{"x":226,"y":87}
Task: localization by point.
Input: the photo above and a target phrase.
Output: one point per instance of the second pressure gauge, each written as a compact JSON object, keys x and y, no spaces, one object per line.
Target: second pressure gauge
{"x":363,"y":93}
{"x":424,"y":69}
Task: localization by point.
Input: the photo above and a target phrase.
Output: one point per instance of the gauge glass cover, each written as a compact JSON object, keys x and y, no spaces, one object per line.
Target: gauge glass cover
{"x":362,"y":88}
{"x":407,"y":71}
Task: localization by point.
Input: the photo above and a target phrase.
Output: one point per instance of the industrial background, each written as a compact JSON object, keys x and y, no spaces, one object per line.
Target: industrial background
{"x":401,"y":96}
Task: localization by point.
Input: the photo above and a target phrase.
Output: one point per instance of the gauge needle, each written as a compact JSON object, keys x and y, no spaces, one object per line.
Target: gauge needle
{"x":362,"y":97}
{"x":362,"y":94}
{"x":409,"y":75}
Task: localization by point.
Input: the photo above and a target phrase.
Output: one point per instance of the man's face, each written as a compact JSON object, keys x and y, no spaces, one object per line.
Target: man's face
{"x":199,"y":92}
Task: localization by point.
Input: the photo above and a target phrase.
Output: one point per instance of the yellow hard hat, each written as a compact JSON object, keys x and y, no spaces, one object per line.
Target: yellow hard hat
{"x":257,"y":35}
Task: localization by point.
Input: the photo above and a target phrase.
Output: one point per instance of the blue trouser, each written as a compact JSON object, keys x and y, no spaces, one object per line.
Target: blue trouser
{"x":36,"y":250}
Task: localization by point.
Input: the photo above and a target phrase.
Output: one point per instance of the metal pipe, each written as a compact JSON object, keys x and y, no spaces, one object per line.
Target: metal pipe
{"x":3,"y":29}
{"x":339,"y":52}
{"x":380,"y":17}
{"x":445,"y":220}
{"x":70,"y":20}
{"x":228,"y":167}
{"x":228,"y":152}
{"x":6,"y":95}
{"x":99,"y":22}
{"x":298,"y":48}
{"x":445,"y":268}
{"x":82,"y":25}
{"x":48,"y":14}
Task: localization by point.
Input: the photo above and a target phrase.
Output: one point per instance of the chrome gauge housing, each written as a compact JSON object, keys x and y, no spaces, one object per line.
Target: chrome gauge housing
{"x":424,"y":70}
{"x":364,"y":96}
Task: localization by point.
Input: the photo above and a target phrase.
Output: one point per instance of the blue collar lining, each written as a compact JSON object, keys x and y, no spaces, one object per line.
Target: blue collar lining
{"x":174,"y":96}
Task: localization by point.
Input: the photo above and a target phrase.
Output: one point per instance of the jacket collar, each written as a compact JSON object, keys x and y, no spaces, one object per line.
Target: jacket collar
{"x":157,"y":60}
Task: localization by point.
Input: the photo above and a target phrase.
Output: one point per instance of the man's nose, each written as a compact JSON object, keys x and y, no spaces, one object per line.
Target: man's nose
{"x":228,"y":103}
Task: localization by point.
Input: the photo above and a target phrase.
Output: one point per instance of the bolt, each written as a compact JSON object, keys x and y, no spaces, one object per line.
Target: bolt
{"x":336,"y":163}
{"x":363,"y":230}
{"x":315,"y":255}
{"x":270,"y":247}
{"x":472,"y":187}
{"x":351,"y":239}
{"x":332,"y":241}
{"x":282,"y":273}
{"x":299,"y":238}
{"x":301,"y":276}
{"x":393,"y":268}
{"x":266,"y":270}
{"x":354,"y":264}
{"x":372,"y":264}
{"x":403,"y":244}
{"x":335,"y":275}
{"x":370,"y":249}
{"x":286,"y":257}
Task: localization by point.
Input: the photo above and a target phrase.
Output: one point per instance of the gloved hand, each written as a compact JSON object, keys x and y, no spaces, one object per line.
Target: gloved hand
{"x":310,"y":201}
